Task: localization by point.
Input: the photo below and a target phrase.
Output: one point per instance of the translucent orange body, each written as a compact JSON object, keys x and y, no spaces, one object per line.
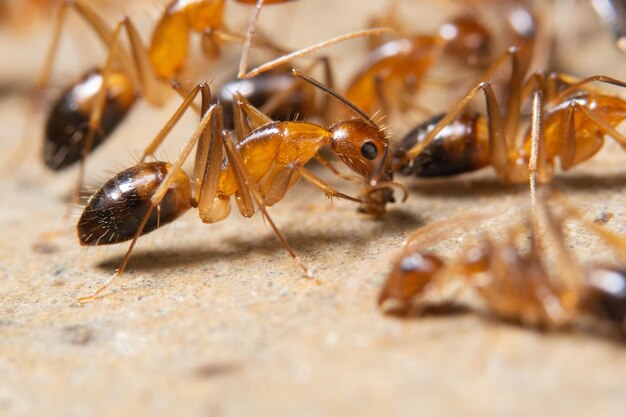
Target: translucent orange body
{"x":514,"y":284}
{"x":393,"y":70}
{"x":588,"y":138}
{"x":170,"y":39}
{"x":272,"y":148}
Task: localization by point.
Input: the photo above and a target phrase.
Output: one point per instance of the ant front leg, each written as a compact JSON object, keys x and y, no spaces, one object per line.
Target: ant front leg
{"x":318,"y":183}
{"x":95,"y":118}
{"x":249,"y":193}
{"x":94,"y":21}
{"x":301,"y":52}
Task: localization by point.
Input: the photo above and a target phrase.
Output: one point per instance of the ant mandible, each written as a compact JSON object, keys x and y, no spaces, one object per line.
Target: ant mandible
{"x":267,"y":160}
{"x":514,"y":285}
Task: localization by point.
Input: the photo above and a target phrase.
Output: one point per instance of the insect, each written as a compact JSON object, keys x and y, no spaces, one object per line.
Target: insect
{"x":89,"y":110}
{"x":268,"y":159}
{"x":568,"y":122}
{"x":392,"y":73}
{"x":514,"y":284}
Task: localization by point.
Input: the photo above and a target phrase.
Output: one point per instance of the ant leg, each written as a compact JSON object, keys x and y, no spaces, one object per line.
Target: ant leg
{"x":243,"y":63}
{"x":176,"y":86}
{"x":154,"y":91}
{"x":331,"y":167}
{"x":276,"y":182}
{"x":537,"y":161}
{"x":247,"y":117}
{"x":209,"y":156}
{"x":424,"y":237}
{"x":188,"y":102}
{"x":576,"y":86}
{"x":43,"y":79}
{"x":280,"y":98}
{"x":248,"y":192}
{"x":567,"y":134}
{"x":497,"y":141}
{"x":513,"y":109}
{"x":302,"y":52}
{"x":98,"y":109}
{"x":567,"y":137}
{"x":262,"y":40}
{"x":381,"y":95}
{"x":318,"y":183}
{"x":613,"y":240}
{"x":569,"y":268}
{"x":156,"y":199}
{"x":602,"y":125}
{"x":103,"y":31}
{"x":94,"y":21}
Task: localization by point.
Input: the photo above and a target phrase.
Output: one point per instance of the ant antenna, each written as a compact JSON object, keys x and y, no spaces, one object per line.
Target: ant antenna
{"x":301,"y":75}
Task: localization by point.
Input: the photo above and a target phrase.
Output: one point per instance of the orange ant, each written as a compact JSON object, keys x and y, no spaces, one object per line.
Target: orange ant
{"x":91,"y":108}
{"x":514,"y":284}
{"x":267,"y":160}
{"x":394,"y":70}
{"x":570,"y":126}
{"x":170,"y":39}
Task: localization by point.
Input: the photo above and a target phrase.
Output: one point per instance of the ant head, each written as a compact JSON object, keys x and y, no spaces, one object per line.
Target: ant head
{"x":468,"y":40}
{"x":410,"y":275}
{"x":606,"y":295}
{"x":362,"y":147}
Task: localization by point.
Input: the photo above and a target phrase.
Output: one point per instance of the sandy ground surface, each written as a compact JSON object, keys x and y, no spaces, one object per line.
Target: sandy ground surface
{"x":215,"y":320}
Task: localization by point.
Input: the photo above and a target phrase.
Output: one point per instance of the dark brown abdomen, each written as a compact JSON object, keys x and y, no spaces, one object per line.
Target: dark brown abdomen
{"x":606,"y":294}
{"x":114,"y":212}
{"x":263,"y":87}
{"x":68,"y":122}
{"x":456,"y":149}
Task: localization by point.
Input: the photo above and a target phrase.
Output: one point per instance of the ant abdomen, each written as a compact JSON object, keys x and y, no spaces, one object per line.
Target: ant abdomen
{"x":411,"y":273}
{"x":467,"y":40}
{"x":68,"y":123}
{"x":260,"y":89}
{"x":461,"y":146}
{"x":606,"y":294}
{"x":114,"y":213}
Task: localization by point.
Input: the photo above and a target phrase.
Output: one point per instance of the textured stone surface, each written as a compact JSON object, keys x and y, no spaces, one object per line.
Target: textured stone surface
{"x":215,"y":320}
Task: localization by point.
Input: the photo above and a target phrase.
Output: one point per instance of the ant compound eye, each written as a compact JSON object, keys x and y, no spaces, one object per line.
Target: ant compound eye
{"x":369,"y":150}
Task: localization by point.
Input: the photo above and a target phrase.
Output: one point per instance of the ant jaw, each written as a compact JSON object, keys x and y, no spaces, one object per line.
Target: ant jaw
{"x":376,"y":196}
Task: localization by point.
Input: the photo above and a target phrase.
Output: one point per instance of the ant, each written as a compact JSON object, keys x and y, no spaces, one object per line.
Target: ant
{"x":267,"y":160}
{"x":393,"y":71}
{"x":569,"y":120}
{"x":514,"y":284}
{"x":90,"y":109}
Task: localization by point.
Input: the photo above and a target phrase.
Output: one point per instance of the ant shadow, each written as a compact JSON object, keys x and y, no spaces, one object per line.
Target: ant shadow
{"x":307,"y":242}
{"x":444,"y":311}
{"x":489,"y":185}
